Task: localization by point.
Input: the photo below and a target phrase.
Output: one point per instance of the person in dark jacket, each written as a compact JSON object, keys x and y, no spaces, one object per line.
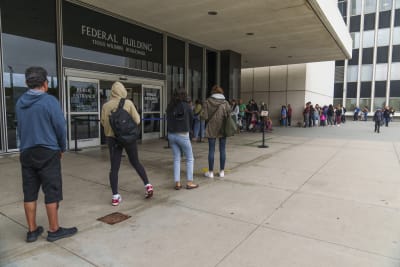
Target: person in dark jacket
{"x":180,"y":120}
{"x":378,"y":117}
{"x":386,"y":116}
{"x":115,"y":149}
{"x":216,"y":109}
{"x":42,"y":136}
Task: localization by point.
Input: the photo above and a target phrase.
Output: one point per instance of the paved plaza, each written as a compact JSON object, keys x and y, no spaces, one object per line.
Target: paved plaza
{"x":315,"y":197}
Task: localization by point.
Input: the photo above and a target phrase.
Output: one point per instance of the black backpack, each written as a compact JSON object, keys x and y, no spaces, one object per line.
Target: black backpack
{"x":124,"y":127}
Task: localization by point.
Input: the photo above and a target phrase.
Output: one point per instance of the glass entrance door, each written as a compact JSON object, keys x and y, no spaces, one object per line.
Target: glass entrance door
{"x":151,"y":116}
{"x":83,"y":112}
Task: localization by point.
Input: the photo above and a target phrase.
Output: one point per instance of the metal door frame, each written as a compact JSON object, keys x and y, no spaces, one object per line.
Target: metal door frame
{"x":144,"y":82}
{"x":154,"y":135}
{"x":89,"y":142}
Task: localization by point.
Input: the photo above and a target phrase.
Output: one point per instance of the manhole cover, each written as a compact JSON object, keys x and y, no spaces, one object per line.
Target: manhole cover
{"x":114,"y":218}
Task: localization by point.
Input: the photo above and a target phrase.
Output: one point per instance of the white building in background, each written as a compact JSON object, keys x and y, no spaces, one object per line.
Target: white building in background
{"x":372,"y":77}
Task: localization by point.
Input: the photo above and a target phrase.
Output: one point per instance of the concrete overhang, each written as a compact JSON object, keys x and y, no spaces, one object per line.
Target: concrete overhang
{"x":284,"y":31}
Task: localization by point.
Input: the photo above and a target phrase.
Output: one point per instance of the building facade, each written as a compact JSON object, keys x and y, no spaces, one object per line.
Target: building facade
{"x":371,"y":78}
{"x":85,"y":49}
{"x":293,"y":84}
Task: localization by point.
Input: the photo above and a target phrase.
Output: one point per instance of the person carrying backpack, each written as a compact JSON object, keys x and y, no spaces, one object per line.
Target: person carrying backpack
{"x":115,"y":145}
{"x":179,"y":123}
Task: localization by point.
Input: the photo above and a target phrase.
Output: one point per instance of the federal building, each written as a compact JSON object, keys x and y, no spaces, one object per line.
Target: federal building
{"x":154,"y":46}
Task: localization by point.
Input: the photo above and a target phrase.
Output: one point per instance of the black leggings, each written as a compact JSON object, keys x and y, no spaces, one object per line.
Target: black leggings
{"x":115,"y":158}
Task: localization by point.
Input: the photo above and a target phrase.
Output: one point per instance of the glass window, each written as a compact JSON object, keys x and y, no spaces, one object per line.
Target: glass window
{"x":365,"y":102}
{"x":367,"y":55}
{"x":354,"y":57}
{"x":369,"y":22}
{"x":379,"y":102}
{"x":369,"y":6}
{"x":352,"y":73}
{"x":365,"y":89}
{"x":196,"y":73}
{"x":339,"y":74}
{"x":394,"y":102}
{"x":356,"y":39}
{"x":380,"y":89}
{"x":368,"y":39}
{"x":355,"y":7}
{"x":338,"y":90}
{"x":396,"y":35}
{"x":175,"y":65}
{"x":384,"y":19}
{"x":339,"y":63}
{"x":351,"y":90}
{"x":381,"y":72}
{"x":397,"y":3}
{"x":355,"y":23}
{"x":385,"y":5}
{"x":395,"y":88}
{"x":396,"y":53}
{"x":395,"y":71}
{"x":342,"y":5}
{"x":366,"y":72}
{"x":382,"y":54}
{"x":383,"y":37}
{"x":28,"y":39}
{"x":397,"y":17}
{"x":211,"y":74}
{"x":350,"y":104}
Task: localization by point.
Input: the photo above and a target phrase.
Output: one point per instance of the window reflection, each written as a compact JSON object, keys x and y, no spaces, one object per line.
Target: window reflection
{"x":196,"y":72}
{"x":175,"y":65}
{"x":28,"y":39}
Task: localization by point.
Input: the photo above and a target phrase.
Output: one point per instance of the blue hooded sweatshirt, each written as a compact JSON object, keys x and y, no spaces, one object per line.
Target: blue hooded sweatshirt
{"x":40,"y":121}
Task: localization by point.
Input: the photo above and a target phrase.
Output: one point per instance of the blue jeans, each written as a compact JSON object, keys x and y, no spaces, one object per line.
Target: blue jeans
{"x":199,"y":128}
{"x":222,"y":153}
{"x":178,"y":143}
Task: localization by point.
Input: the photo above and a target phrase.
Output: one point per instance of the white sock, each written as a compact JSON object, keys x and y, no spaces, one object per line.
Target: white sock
{"x":116,"y":196}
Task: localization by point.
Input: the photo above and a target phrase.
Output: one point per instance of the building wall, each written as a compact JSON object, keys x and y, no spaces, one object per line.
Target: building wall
{"x":289,"y":84}
{"x":275,"y":86}
{"x":320,"y":78}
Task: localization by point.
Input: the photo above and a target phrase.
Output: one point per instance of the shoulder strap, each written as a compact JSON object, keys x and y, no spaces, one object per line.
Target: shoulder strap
{"x":214,"y":112}
{"x":121,"y":103}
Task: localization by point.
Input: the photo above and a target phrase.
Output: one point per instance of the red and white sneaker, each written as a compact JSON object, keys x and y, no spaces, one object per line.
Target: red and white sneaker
{"x":116,"y":199}
{"x":149,"y":191}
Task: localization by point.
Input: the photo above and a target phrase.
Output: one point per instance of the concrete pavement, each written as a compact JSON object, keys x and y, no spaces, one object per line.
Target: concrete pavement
{"x":316,"y":197}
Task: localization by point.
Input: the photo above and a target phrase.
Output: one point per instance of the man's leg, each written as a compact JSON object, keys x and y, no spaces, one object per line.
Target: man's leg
{"x":52,"y":215}
{"x":30,"y":213}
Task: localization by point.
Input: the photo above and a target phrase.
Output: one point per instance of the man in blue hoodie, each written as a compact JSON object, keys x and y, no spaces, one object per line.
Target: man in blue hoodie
{"x":42,"y":135}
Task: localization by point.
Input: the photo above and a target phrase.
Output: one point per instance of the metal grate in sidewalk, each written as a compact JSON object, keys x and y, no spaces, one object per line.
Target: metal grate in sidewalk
{"x":113,"y":218}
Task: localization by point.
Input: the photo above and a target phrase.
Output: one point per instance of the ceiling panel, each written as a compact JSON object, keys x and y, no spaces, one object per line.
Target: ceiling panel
{"x":285,"y":31}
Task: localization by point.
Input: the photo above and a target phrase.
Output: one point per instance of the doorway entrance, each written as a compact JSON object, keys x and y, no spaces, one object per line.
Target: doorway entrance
{"x":88,"y":91}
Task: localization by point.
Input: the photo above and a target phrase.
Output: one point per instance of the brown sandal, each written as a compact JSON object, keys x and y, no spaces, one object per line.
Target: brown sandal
{"x":178,"y":186}
{"x":191,"y":186}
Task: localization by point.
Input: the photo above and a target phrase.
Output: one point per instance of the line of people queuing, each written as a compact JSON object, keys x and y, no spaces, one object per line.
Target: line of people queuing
{"x":327,"y":115}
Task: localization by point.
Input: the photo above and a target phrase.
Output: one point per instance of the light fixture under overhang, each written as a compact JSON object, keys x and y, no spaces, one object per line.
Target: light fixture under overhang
{"x":212,"y":13}
{"x":249,"y":33}
{"x":273,"y":47}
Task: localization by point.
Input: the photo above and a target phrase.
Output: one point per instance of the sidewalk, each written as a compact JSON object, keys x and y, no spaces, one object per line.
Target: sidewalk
{"x":316,"y":197}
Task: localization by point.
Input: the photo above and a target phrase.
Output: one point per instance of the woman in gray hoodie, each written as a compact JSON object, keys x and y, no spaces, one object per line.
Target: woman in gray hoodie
{"x":216,"y":109}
